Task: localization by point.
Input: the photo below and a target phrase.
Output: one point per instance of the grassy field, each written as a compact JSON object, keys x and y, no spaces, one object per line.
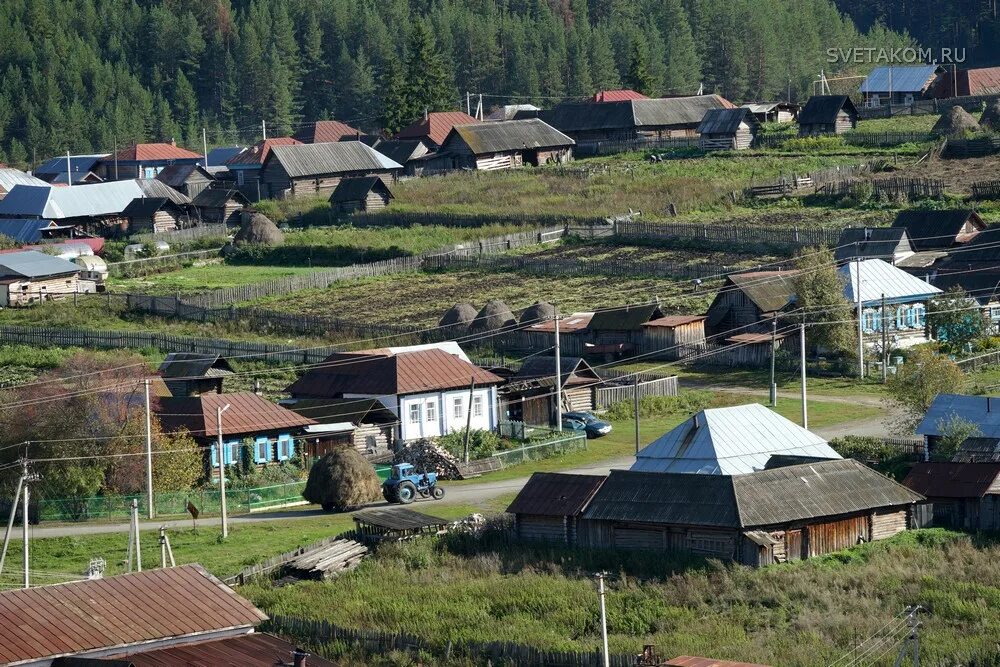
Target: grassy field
{"x":796,"y":615}
{"x":585,"y":251}
{"x":200,"y":278}
{"x":919,"y":123}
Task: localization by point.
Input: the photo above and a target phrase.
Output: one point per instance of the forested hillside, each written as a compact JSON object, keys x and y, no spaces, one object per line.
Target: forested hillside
{"x":85,"y":75}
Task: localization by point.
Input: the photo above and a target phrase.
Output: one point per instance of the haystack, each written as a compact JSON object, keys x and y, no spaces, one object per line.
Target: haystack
{"x":540,"y":311}
{"x":990,"y":120}
{"x":257,"y":229}
{"x":458,"y":318}
{"x":956,"y":121}
{"x":494,"y":316}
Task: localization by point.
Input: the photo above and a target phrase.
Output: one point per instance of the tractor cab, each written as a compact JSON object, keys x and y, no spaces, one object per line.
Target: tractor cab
{"x":401,"y":471}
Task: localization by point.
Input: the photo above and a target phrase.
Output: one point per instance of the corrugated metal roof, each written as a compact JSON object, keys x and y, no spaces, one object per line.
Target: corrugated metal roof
{"x":248,"y":413}
{"x":34,"y":264}
{"x":673,"y":321}
{"x":770,"y":291}
{"x":436,"y":126}
{"x":881,"y":279}
{"x":23,"y":230}
{"x":677,"y":111}
{"x":618,"y":96}
{"x":978,"y":450}
{"x":10,"y":177}
{"x":357,"y":188}
{"x":121,"y":611}
{"x":402,"y":150}
{"x":176,"y":175}
{"x":878,"y":242}
{"x":190,"y":365}
{"x":326,"y":131}
{"x":983,"y":411}
{"x":257,"y":154}
{"x":900,"y":79}
{"x":81,"y":165}
{"x":930,"y":230}
{"x":251,"y":650}
{"x":939,"y":479}
{"x":556,"y":494}
{"x":823,"y":109}
{"x":155,"y":152}
{"x":343,"y":157}
{"x":398,"y":518}
{"x":981,"y":81}
{"x":624,"y":318}
{"x":57,"y":203}
{"x":508,"y":135}
{"x":726,"y":121}
{"x":729,"y":441}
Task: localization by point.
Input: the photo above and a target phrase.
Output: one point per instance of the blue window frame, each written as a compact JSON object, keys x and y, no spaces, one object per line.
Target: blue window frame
{"x":921,"y":315}
{"x":284,"y":447}
{"x":230,"y":452}
{"x":262,"y":450}
{"x":901,"y":317}
{"x":911,"y":317}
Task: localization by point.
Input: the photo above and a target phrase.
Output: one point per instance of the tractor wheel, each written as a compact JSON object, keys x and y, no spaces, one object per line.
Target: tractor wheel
{"x":327,"y":507}
{"x":406,"y":492}
{"x":437,"y":492}
{"x":387,"y":493}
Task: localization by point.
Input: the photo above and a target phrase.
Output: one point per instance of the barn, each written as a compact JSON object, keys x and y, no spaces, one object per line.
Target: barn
{"x":747,"y":301}
{"x":217,"y":205}
{"x":154,"y":214}
{"x":188,"y":179}
{"x":549,"y":505}
{"x":827,"y":114}
{"x":773,"y":112}
{"x":362,"y":193}
{"x":307,"y":170}
{"x":965,"y":495}
{"x":676,"y":335}
{"x":727,"y":130}
{"x":503,"y":145}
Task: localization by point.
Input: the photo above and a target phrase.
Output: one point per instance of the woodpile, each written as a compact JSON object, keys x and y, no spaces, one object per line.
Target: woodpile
{"x":327,"y":561}
{"x":425,"y":456}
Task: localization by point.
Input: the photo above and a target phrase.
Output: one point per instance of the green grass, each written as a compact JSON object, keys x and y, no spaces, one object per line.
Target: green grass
{"x":201,"y":278}
{"x":919,"y":123}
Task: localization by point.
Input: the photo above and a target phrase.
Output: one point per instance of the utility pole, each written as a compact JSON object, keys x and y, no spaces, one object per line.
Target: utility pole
{"x":24,"y":525}
{"x":468,"y":103}
{"x":222,"y":470}
{"x":149,"y":455}
{"x":861,"y":337}
{"x":13,"y":513}
{"x":604,"y":619}
{"x":263,"y":128}
{"x":558,"y":378}
{"x":135,"y":532}
{"x":911,"y":645}
{"x":635,"y":407}
{"x":884,"y":325}
{"x":468,"y":421}
{"x":116,"y":157}
{"x":774,"y":339}
{"x":802,"y":363}
{"x":204,"y":145}
{"x":69,"y":171}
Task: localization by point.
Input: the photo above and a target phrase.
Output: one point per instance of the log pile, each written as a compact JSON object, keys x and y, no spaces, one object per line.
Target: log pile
{"x":327,"y":561}
{"x":425,"y":456}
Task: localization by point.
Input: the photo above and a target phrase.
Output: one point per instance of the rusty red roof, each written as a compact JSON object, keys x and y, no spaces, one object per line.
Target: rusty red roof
{"x":982,"y":81}
{"x":436,"y":126}
{"x":326,"y":132}
{"x":152,"y":153}
{"x":250,"y":650}
{"x":695,"y":661}
{"x":671,"y":321}
{"x":118,"y":612}
{"x":939,"y":479}
{"x":569,"y":324}
{"x":618,"y":95}
{"x":248,"y":413}
{"x":256,"y":154}
{"x":378,"y":375}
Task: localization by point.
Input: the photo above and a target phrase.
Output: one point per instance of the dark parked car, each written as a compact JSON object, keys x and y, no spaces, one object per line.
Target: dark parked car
{"x":594,"y":427}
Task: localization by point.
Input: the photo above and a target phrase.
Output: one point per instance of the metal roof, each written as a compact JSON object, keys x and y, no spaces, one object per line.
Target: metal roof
{"x":618,"y":95}
{"x":248,"y":414}
{"x":764,"y":107}
{"x":508,"y":135}
{"x":256,"y":649}
{"x":509,"y":111}
{"x":219,"y":156}
{"x":770,"y":291}
{"x":983,"y":411}
{"x":57,"y":203}
{"x":10,"y":177}
{"x":556,"y":494}
{"x":343,"y":157}
{"x":695,"y":661}
{"x":729,"y":441}
{"x":726,"y":121}
{"x":939,"y":479}
{"x":34,"y":264}
{"x":572,"y":323}
{"x":150,"y":187}
{"x":123,"y":611}
{"x":978,"y":450}
{"x":436,"y":127}
{"x":190,"y":365}
{"x":333,"y":410}
{"x":624,"y":318}
{"x":823,"y":109}
{"x":255,"y":156}
{"x":980,"y":81}
{"x":900,"y":79}
{"x":23,"y":230}
{"x":930,"y":230}
{"x":878,"y":242}
{"x":881,"y":279}
{"x":326,"y":131}
{"x":155,"y":152}
{"x":402,"y":150}
{"x":398,"y":518}
{"x":176,"y":175}
{"x":81,"y":165}
{"x":358,"y":187}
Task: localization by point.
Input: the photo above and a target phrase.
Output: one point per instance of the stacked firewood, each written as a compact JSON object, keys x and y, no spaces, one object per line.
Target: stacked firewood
{"x":425,"y":456}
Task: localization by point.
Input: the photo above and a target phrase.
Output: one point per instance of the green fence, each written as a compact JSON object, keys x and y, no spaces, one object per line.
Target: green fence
{"x":543,"y":450}
{"x":238,"y":501}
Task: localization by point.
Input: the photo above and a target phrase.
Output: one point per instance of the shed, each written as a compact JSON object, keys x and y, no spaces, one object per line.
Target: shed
{"x":154,"y":214}
{"x":965,"y":495}
{"x":188,"y":179}
{"x":827,"y":114}
{"x":529,"y":395}
{"x":306,"y":170}
{"x":379,"y":524}
{"x":30,"y":276}
{"x":978,"y":450}
{"x":774,"y":112}
{"x":218,"y":205}
{"x":193,"y":374}
{"x":727,"y":129}
{"x":886,"y":243}
{"x":407,"y":152}
{"x":246,"y":166}
{"x":548,"y":506}
{"x":362,"y":193}
{"x":92,"y":268}
{"x":747,"y":300}
{"x":677,"y":335}
{"x":978,"y":410}
{"x":505,"y":145}
{"x":939,"y":230}
{"x":363,"y":423}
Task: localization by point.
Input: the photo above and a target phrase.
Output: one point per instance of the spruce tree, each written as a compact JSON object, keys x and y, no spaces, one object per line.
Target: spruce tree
{"x":428,"y":82}
{"x":683,"y":70}
{"x":639,"y":77}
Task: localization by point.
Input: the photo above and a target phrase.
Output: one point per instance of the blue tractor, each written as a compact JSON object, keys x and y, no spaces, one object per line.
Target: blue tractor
{"x":404,"y":485}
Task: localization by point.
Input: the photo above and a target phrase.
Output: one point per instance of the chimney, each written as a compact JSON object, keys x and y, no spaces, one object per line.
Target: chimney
{"x":299,"y":658}
{"x":173,"y":142}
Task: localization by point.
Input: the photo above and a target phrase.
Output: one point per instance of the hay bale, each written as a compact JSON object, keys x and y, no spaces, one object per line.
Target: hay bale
{"x":458,"y":318}
{"x":540,"y":311}
{"x":494,"y":316}
{"x":342,"y":480}
{"x":257,"y":229}
{"x":957,"y":121}
{"x":990,"y":120}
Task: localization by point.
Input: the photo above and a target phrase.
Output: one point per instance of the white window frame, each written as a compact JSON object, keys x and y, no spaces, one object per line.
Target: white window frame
{"x":477,"y":406}
{"x":457,"y":410}
{"x":415,"y":413}
{"x":430,"y":413}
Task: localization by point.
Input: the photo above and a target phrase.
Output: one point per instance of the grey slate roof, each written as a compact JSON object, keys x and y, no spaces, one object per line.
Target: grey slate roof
{"x":402,"y":150}
{"x":544,"y":368}
{"x":147,"y":206}
{"x":556,"y":494}
{"x":663,"y":112}
{"x":330,"y":158}
{"x":823,"y":109}
{"x":900,"y":79}
{"x":34,"y":264}
{"x":357,"y":188}
{"x":726,"y":121}
{"x":218,"y":197}
{"x":880,"y":243}
{"x":176,"y":175}
{"x":930,"y":230}
{"x":770,"y":291}
{"x":508,"y":135}
{"x":150,"y":187}
{"x":978,"y":450}
{"x":194,"y":365}
{"x":983,"y":411}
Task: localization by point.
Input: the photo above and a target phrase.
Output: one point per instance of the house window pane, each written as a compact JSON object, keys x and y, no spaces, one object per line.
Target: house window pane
{"x":415,"y":413}
{"x":431,"y":411}
{"x":456,"y":408}
{"x":477,"y":406}
{"x":262,"y":450}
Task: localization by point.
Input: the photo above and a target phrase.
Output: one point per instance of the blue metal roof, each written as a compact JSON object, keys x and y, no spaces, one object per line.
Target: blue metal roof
{"x":34,"y":264}
{"x":880,"y":278}
{"x":80,"y":164}
{"x":905,"y":79}
{"x":23,"y":230}
{"x":219,"y":156}
{"x":983,"y":411}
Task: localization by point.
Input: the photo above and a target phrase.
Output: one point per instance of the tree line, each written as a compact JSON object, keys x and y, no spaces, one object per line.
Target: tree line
{"x":90,"y":75}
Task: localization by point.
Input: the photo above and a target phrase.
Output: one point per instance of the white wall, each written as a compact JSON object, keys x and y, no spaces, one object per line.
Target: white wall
{"x":446,"y":419}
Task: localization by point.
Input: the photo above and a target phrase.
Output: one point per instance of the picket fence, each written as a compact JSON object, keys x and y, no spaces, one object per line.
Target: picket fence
{"x":728,"y":235}
{"x":896,"y":188}
{"x":390,"y":218}
{"x":966,"y":148}
{"x":376,"y":641}
{"x":986,"y":190}
{"x":595,"y":148}
{"x":208,"y":230}
{"x":607,"y":396}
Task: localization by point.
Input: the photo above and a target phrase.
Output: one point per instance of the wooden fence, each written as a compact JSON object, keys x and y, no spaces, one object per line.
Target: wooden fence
{"x":886,"y":139}
{"x":376,"y":641}
{"x":609,"y":395}
{"x":182,"y":235}
{"x":390,"y":218}
{"x":966,"y":148}
{"x":924,"y":107}
{"x":986,"y":190}
{"x":896,"y":188}
{"x":595,"y":148}
{"x":728,"y":235}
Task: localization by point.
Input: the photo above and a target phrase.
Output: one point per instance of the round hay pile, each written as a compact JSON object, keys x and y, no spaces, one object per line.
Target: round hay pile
{"x":494,"y":316}
{"x":342,"y":480}
{"x":991,"y":117}
{"x":258,"y":229}
{"x":540,"y":311}
{"x":956,"y":121}
{"x":458,"y":318}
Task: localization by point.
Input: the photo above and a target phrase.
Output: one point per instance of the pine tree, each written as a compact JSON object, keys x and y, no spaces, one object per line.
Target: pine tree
{"x":639,"y":77}
{"x":683,"y":71}
{"x":392,"y":98}
{"x":280,"y":100}
{"x":602,"y":61}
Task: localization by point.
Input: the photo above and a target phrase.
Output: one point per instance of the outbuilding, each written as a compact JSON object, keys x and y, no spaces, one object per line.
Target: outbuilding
{"x":217,"y":205}
{"x":828,"y":114}
{"x":727,"y":130}
{"x":154,"y":214}
{"x":747,"y":301}
{"x":503,"y":145}
{"x":965,"y":495}
{"x":193,"y":374}
{"x":362,"y":193}
{"x":548,"y":506}
{"x":530,"y":396}
{"x":774,"y":112}
{"x":363,"y":423}
{"x":188,"y":179}
{"x":982,"y":411}
{"x":676,"y":336}
{"x":30,"y":276}
{"x":308,"y":170}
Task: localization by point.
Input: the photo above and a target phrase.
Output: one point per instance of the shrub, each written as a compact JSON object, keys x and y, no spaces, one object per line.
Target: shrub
{"x":814,"y":143}
{"x":481,"y":443}
{"x":341,"y":480}
{"x":686,"y":403}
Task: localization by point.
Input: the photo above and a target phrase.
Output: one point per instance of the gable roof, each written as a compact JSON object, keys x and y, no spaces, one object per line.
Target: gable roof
{"x":556,"y":494}
{"x":26,"y":230}
{"x":881,"y":279}
{"x":764,"y":498}
{"x":930,"y":230}
{"x":976,"y":449}
{"x":677,"y":112}
{"x":315,"y":159}
{"x":56,"y":203}
{"x":878,"y":242}
{"x":335,"y":410}
{"x":674,"y":321}
{"x":256,"y":649}
{"x":189,"y":365}
{"x":436,"y":126}
{"x":508,"y":135}
{"x":176,"y":175}
{"x":150,"y":187}
{"x":726,"y":121}
{"x":729,"y":441}
{"x":823,"y":109}
{"x":34,"y":264}
{"x":573,"y":370}
{"x":624,"y":318}
{"x":983,"y":411}
{"x":257,"y":154}
{"x":602,"y":96}
{"x":155,"y":152}
{"x":144,"y":207}
{"x":402,"y":150}
{"x":248,"y":413}
{"x":390,"y":375}
{"x":939,"y":479}
{"x":81,"y":165}
{"x":900,"y":78}
{"x":770,"y":291}
{"x":980,"y":81}
{"x":124,"y":611}
{"x":218,"y":197}
{"x":326,"y":131}
{"x":10,"y":177}
{"x":222,"y":154}
{"x":358,"y":187}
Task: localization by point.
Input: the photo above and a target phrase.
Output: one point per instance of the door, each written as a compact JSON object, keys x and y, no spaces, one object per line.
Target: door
{"x":793,"y":545}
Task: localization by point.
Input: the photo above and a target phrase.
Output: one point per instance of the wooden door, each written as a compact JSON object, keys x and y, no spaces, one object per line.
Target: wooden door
{"x":793,"y":545}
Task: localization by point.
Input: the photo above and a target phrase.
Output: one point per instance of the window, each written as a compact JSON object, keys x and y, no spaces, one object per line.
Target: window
{"x":911,"y":318}
{"x":456,"y":408}
{"x":240,"y":177}
{"x":920,"y":315}
{"x":477,"y":406}
{"x":901,"y":317}
{"x":262,"y":450}
{"x":414,"y":413}
{"x":285,"y":447}
{"x":371,"y":444}
{"x":230,"y":453}
{"x":214,"y":456}
{"x":431,"y":411}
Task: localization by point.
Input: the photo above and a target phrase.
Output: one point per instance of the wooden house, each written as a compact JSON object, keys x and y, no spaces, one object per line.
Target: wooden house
{"x":771,"y":516}
{"x":727,"y":130}
{"x":362,"y":193}
{"x":326,"y":131}
{"x":145,"y":161}
{"x":899,"y":85}
{"x":155,"y":214}
{"x":930,"y":230}
{"x":502,"y":145}
{"x":363,"y":423}
{"x":676,"y":335}
{"x":613,"y":331}
{"x":965,"y":496}
{"x":774,"y":112}
{"x":93,"y":208}
{"x":874,"y":283}
{"x":529,"y":395}
{"x":748,"y":300}
{"x":411,"y":153}
{"x":891,"y":244}
{"x":269,"y":429}
{"x":30,"y":276}
{"x":548,"y":506}
{"x":435,"y":127}
{"x":217,"y":205}
{"x":308,"y":170}
{"x":193,"y":374}
{"x":979,"y":81}
{"x":188,"y":179}
{"x":246,"y":166}
{"x":827,"y":114}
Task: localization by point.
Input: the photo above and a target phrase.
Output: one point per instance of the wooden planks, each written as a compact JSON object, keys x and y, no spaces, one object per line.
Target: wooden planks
{"x":327,"y":561}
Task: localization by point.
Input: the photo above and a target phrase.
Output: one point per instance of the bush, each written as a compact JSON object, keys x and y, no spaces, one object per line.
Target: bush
{"x":814,"y":143}
{"x":342,"y":480}
{"x":481,"y":443}
{"x":863,"y":447}
{"x":689,"y":402}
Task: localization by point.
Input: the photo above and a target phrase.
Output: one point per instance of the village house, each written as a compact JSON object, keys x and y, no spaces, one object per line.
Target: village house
{"x":899,"y":85}
{"x":946,"y":409}
{"x":774,"y":112}
{"x":730,"y":441}
{"x":748,"y":301}
{"x":188,"y":179}
{"x":218,"y":157}
{"x":363,"y":193}
{"x":246,"y":166}
{"x":145,"y":161}
{"x":727,"y":130}
{"x":307,"y":170}
{"x":965,"y":496}
{"x":11,"y":177}
{"x":156,"y":215}
{"x":270,"y":429}
{"x":930,"y":230}
{"x":503,"y":145}
{"x":76,"y":170}
{"x":30,"y":276}
{"x":975,"y":82}
{"x":188,"y":617}
{"x":193,"y":374}
{"x":827,"y":114}
{"x":326,"y":132}
{"x":548,"y":507}
{"x":220,"y":206}
{"x":426,"y":389}
{"x":889,"y":297}
{"x":890,"y":244}
{"x":676,"y":336}
{"x":362,"y":423}
{"x":435,"y":127}
{"x":613,"y":332}
{"x":759,"y":518}
{"x":410,"y":153}
{"x":529,"y":395}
